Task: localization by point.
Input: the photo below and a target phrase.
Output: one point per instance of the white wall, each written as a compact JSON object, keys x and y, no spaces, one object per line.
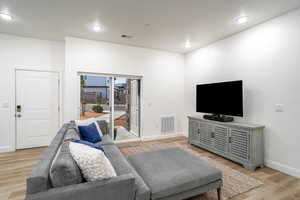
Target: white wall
{"x":267,"y":58}
{"x":27,"y":53}
{"x":162,"y":88}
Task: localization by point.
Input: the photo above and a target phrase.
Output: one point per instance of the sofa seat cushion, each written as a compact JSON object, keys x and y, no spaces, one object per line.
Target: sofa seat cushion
{"x":122,"y":167}
{"x":106,"y":140}
{"x":171,"y":171}
{"x":64,"y":170}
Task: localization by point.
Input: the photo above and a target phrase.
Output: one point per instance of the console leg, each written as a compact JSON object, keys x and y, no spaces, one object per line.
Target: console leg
{"x":249,"y":167}
{"x":219,"y":193}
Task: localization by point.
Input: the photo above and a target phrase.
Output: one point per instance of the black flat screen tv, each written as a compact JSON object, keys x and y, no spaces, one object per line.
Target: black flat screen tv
{"x":225,"y":98}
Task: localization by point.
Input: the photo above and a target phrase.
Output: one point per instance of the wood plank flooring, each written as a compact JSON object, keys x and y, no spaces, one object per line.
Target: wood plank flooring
{"x":16,"y":166}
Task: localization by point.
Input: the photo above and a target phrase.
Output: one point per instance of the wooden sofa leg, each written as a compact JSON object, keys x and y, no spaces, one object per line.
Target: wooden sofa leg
{"x":219,"y":193}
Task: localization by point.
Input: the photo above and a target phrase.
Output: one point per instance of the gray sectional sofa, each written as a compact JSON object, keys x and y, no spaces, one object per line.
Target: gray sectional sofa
{"x":170,"y":174}
{"x":128,"y":185}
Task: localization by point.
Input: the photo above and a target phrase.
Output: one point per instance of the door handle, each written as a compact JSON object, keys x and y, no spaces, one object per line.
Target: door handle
{"x":19,"y":108}
{"x":19,"y":115}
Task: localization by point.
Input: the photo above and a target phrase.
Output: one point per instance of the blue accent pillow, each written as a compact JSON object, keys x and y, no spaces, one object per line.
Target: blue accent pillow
{"x":89,"y":144}
{"x":90,"y":133}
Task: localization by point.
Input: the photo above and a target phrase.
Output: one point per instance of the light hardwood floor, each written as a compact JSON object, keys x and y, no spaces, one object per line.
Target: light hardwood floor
{"x":16,"y":166}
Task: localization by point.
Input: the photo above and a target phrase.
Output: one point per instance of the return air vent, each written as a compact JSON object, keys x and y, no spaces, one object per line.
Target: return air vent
{"x":168,"y":124}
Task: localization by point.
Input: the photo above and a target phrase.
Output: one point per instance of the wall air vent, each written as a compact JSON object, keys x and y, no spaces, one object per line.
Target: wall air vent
{"x":168,"y":124}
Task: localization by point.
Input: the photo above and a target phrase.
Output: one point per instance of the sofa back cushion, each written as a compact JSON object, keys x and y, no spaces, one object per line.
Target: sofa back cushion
{"x":73,"y":124}
{"x":39,"y":179}
{"x":103,"y":125}
{"x":64,"y":170}
{"x":71,"y":134}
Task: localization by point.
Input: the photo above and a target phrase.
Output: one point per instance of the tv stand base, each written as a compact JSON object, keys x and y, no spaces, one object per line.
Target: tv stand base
{"x":240,"y":142}
{"x":219,"y":118}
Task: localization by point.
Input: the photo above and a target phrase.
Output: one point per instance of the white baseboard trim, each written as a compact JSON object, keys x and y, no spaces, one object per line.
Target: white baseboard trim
{"x":149,"y":138}
{"x":5,"y":149}
{"x":157,"y":137}
{"x":283,"y":168}
{"x":129,"y":140}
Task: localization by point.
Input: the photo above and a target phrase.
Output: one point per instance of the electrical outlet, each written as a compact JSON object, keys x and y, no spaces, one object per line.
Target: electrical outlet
{"x":279,"y":108}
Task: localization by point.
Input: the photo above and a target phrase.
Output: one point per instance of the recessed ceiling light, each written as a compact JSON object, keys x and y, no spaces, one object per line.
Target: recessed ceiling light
{"x":242,"y":20}
{"x":6,"y":16}
{"x":187,"y":44}
{"x":97,"y":28}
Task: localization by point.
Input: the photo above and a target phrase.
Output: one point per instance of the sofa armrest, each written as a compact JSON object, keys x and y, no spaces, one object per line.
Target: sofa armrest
{"x":117,"y":188}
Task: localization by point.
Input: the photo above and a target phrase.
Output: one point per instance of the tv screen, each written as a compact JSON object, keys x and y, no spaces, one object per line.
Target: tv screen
{"x":224,"y":98}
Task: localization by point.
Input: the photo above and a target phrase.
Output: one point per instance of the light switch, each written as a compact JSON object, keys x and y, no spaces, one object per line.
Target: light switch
{"x":279,"y":108}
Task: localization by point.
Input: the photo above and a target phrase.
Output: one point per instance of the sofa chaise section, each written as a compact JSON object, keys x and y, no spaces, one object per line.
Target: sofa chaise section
{"x":122,"y":167}
{"x":174,"y":174}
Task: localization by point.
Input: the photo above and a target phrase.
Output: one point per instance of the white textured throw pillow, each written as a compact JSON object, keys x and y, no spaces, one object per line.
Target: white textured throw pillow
{"x":86,"y":122}
{"x":93,"y":163}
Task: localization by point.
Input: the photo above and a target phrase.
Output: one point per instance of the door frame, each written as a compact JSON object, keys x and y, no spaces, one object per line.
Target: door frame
{"x":140,"y":78}
{"x":12,"y":118}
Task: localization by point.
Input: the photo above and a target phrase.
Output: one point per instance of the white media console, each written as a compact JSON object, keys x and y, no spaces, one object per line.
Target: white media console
{"x":239,"y":142}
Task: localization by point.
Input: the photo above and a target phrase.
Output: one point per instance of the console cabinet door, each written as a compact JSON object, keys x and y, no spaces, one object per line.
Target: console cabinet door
{"x":240,"y":143}
{"x":220,"y":136}
{"x":194,"y":136}
{"x":205,"y":134}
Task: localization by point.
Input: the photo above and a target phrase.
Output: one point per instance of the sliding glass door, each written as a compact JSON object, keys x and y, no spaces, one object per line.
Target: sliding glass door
{"x":113,"y":99}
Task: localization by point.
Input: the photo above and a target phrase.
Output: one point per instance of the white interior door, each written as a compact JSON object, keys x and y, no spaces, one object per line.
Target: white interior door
{"x":37,"y":108}
{"x":134,"y":107}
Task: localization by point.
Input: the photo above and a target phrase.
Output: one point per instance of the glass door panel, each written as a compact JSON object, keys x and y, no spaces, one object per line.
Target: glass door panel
{"x":95,"y":98}
{"x":126,"y":108}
